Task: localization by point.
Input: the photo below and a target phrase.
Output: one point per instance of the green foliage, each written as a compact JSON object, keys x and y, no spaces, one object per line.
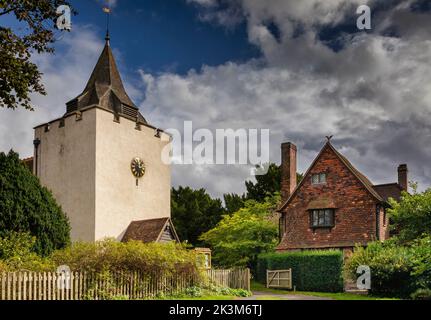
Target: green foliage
{"x":411,"y":217}
{"x":266,"y":185}
{"x":311,"y":270}
{"x":233,"y":202}
{"x":16,"y":253}
{"x":239,"y":238}
{"x":390,"y":267}
{"x":194,"y":212}
{"x":422,"y":294}
{"x":168,"y":258}
{"x":26,"y":206}
{"x":19,"y":76}
{"x":395,"y":270}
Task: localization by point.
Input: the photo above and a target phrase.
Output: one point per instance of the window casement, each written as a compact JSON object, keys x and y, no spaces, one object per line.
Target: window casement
{"x":319,"y":178}
{"x":322,"y":218}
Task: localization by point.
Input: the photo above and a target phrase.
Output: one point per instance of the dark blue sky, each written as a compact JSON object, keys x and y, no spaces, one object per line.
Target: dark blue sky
{"x":165,"y":35}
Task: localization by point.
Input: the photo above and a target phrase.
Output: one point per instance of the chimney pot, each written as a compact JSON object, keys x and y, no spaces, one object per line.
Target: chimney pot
{"x":403,"y":177}
{"x":288,"y":169}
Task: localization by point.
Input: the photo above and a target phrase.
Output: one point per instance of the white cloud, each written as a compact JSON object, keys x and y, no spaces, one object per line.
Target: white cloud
{"x":64,"y":76}
{"x":373,"y":95}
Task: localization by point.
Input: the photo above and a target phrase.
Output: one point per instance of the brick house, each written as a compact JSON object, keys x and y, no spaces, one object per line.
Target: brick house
{"x":334,"y":206}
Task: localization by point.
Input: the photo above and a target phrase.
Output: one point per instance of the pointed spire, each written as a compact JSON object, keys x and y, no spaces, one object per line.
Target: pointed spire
{"x":105,"y":89}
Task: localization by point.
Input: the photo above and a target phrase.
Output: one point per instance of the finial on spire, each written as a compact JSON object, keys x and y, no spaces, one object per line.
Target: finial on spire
{"x":329,"y":138}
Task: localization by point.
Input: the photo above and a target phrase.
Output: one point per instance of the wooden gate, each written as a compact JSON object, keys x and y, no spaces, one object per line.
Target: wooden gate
{"x":281,"y":279}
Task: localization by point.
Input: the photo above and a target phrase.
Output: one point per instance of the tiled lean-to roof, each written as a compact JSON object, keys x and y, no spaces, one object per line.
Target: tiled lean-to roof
{"x":154,"y":230}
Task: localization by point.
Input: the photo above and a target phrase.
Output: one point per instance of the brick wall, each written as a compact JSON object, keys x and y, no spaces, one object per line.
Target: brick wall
{"x":355,"y":216}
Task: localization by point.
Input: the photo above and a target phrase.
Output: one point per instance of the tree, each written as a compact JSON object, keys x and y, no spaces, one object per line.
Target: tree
{"x":18,"y":75}
{"x":238,"y":239}
{"x":411,"y":217}
{"x":233,"y":202}
{"x":266,"y":185}
{"x":26,"y":206}
{"x":194,"y":212}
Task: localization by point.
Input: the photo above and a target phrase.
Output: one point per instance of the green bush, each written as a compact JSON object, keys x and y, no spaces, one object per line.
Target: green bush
{"x":111,"y":255}
{"x":396,"y":270}
{"x":16,"y":254}
{"x":26,"y":206}
{"x":422,"y":294}
{"x":390,"y":267}
{"x":311,"y":270}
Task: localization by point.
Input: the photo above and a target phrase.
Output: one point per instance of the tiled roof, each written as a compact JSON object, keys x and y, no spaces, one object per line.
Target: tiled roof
{"x":148,"y":230}
{"x":365,"y":181}
{"x":391,"y":190}
{"x":105,"y":89}
{"x":362,"y":178}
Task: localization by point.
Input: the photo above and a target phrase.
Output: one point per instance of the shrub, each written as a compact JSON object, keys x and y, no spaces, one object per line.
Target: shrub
{"x":395,"y":270}
{"x":116,"y":256}
{"x":16,"y":253}
{"x":422,"y":294}
{"x":311,"y":270}
{"x":26,"y":206}
{"x":390,"y":267}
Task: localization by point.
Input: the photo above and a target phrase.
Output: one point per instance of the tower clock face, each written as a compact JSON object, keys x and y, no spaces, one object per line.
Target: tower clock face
{"x":138,"y":168}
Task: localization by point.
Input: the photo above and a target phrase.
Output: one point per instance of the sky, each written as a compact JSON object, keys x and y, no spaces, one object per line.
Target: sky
{"x":299,"y":68}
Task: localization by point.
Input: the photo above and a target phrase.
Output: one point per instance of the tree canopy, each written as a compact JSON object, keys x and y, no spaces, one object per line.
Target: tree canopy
{"x":266,"y":185}
{"x":239,"y":238}
{"x":194,"y":212}
{"x":411,"y":217}
{"x":19,"y":76}
{"x":26,"y":206}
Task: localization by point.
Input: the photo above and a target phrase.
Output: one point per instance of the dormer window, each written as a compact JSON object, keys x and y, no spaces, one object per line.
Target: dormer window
{"x":319,"y":178}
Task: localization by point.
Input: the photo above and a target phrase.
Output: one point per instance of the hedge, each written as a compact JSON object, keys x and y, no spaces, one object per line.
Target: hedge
{"x":320,"y":270}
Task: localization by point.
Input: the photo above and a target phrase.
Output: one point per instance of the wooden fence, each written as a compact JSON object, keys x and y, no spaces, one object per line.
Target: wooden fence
{"x":235,"y":278}
{"x":131,"y":285}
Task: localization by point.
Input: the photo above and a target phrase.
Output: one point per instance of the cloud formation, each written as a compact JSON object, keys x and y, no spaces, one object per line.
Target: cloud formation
{"x":64,"y":76}
{"x":372,"y":93}
{"x":371,"y":90}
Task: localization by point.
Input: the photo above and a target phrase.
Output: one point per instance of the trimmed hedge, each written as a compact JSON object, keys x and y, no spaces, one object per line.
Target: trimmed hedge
{"x":320,"y":270}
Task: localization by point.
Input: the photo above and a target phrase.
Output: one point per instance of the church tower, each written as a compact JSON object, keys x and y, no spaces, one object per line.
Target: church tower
{"x":103,"y":162}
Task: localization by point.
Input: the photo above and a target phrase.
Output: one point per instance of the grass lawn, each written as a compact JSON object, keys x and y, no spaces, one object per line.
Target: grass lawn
{"x":255,"y":286}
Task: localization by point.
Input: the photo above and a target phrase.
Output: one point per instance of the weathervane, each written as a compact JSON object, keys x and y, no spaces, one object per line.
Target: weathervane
{"x":107,"y":10}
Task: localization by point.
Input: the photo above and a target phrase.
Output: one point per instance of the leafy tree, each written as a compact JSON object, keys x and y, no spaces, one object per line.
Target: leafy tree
{"x":233,"y":202}
{"x":238,"y":239}
{"x":194,"y":212}
{"x":18,"y":75}
{"x":26,"y":206}
{"x":411,"y":217}
{"x":266,"y":185}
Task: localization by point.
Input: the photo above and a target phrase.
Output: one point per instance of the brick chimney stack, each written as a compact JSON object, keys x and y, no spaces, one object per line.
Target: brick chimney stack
{"x":403,"y":177}
{"x":288,"y":169}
